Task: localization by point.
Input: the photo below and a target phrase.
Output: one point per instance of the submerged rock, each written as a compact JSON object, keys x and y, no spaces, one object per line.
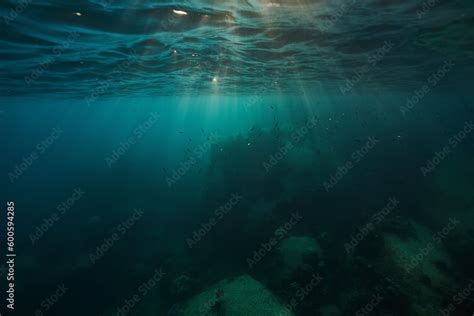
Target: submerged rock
{"x":419,"y":266}
{"x":241,"y":296}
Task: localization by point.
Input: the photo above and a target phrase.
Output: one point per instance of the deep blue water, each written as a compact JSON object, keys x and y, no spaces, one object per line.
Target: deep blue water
{"x":159,"y":151}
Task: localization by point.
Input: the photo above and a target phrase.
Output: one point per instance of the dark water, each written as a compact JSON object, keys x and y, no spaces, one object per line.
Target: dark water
{"x":238,"y":157}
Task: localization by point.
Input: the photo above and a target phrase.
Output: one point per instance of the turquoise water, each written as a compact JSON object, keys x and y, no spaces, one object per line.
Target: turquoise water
{"x":238,"y":157}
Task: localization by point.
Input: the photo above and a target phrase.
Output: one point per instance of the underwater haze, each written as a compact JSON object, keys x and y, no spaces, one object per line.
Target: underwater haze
{"x":237,"y":158}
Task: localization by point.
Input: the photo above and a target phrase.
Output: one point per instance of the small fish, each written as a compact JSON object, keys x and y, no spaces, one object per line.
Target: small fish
{"x":202,"y":129}
{"x":181,"y":132}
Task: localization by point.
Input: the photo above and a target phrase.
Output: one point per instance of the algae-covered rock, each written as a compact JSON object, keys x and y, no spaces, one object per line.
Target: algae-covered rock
{"x":422,"y":256}
{"x":420,"y":266}
{"x":241,"y":296}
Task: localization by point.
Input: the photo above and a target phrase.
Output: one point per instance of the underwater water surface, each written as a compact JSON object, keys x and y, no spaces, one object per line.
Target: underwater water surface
{"x":238,"y":158}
